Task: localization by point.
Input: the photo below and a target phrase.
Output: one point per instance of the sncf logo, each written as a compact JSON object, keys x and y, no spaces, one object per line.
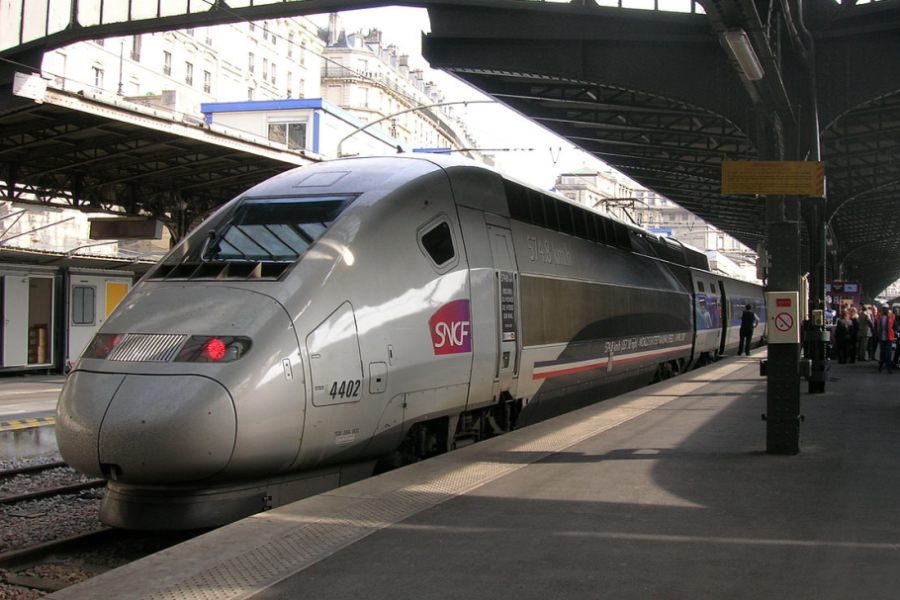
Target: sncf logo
{"x":451,"y":329}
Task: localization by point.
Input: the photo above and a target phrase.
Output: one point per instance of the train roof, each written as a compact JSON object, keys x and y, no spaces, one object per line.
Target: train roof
{"x":525,"y":202}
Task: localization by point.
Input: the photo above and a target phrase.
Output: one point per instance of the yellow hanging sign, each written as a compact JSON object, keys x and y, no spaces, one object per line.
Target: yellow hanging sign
{"x":773,"y":178}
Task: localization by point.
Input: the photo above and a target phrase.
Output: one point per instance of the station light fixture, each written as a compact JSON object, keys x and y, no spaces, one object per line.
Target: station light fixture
{"x":738,"y":43}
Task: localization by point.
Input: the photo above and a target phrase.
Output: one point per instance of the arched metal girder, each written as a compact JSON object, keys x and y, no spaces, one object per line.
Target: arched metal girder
{"x":653,"y":93}
{"x":658,"y":97}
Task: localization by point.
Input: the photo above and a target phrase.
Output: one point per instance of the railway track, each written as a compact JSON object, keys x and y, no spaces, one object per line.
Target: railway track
{"x":51,"y":566}
{"x":34,"y":486}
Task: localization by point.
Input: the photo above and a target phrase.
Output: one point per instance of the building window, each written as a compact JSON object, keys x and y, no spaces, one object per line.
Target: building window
{"x":266,"y":31}
{"x":83,"y":303}
{"x":189,"y":31}
{"x":292,"y":134}
{"x":207,"y":82}
{"x":273,"y":74}
{"x":290,"y":45}
{"x":249,"y":93}
{"x":98,"y":77}
{"x":265,"y":72}
{"x":99,"y":42}
{"x":188,"y":73}
{"x":136,"y":48}
{"x":290,"y":78}
{"x":167,"y":62}
{"x":251,"y":62}
{"x":302,"y":53}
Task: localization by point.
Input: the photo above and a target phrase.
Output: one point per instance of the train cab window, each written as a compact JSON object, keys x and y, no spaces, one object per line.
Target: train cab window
{"x":436,"y":241}
{"x":272,"y":229}
{"x":84,"y":302}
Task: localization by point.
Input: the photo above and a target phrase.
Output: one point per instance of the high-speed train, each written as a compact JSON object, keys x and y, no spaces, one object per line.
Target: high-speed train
{"x":370,"y":310}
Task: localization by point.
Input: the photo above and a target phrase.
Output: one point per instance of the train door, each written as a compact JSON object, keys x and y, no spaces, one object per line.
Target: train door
{"x":83,"y":320}
{"x":27,"y":320}
{"x":506,"y":305}
{"x":92,"y":298}
{"x":724,"y":316}
{"x":15,"y":320}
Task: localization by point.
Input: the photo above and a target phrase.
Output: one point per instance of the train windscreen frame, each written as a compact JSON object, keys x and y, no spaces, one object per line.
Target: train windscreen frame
{"x":273,"y":229}
{"x":255,"y":229}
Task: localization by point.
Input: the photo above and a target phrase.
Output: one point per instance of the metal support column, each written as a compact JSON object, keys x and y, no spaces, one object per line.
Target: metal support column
{"x":783,"y":364}
{"x":816,"y":336}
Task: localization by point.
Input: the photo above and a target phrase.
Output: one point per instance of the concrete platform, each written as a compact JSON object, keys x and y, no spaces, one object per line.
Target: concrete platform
{"x":662,"y":493}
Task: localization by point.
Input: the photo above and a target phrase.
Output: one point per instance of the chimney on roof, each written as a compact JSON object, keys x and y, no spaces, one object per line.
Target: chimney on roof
{"x":334,"y":28}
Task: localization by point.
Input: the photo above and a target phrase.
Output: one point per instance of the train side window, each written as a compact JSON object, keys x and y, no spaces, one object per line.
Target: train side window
{"x":84,"y":303}
{"x":701,"y":287}
{"x":436,"y":241}
{"x":712,"y":288}
{"x":550,"y":213}
{"x":566,"y":222}
{"x":600,"y":228}
{"x":517,"y":198}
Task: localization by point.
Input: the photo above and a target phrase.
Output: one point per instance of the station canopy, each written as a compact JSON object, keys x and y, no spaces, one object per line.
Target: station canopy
{"x":664,"y":97}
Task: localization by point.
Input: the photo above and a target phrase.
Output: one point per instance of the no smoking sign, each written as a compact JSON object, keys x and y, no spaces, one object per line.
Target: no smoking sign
{"x":783,"y":317}
{"x":784,"y":322}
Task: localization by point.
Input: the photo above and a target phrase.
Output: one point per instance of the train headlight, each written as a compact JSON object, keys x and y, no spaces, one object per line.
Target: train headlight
{"x":213,"y":348}
{"x":102,"y":345}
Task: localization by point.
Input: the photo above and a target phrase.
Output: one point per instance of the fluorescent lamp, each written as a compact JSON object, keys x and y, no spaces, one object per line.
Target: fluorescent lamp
{"x":743,"y":53}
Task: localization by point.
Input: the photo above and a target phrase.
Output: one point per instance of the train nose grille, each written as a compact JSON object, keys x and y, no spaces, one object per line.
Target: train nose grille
{"x":148,"y":347}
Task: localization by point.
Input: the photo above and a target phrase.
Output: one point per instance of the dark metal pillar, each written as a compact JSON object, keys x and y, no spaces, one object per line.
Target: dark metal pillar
{"x":783,"y":364}
{"x":816,"y":336}
{"x":783,"y":245}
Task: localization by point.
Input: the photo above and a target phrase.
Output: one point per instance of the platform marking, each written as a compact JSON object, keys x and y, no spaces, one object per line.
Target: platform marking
{"x":223,"y":565}
{"x":30,"y":423}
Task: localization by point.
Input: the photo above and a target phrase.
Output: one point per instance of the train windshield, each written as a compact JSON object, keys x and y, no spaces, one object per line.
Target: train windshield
{"x":272,"y":229}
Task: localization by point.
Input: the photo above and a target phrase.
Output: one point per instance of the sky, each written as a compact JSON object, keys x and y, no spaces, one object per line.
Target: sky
{"x":536,"y":155}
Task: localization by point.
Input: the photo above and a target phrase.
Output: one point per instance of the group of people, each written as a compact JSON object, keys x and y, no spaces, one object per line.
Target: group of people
{"x":861,"y":333}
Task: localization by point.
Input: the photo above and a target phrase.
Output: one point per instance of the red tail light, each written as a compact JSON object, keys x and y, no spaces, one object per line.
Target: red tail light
{"x":213,"y":348}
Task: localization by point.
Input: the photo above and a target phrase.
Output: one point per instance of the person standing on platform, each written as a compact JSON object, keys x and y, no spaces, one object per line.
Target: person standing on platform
{"x":865,"y":332}
{"x":884,"y":333}
{"x":896,"y":352}
{"x":853,"y":315}
{"x":749,"y":321}
{"x":842,"y":336}
{"x":873,"y":341}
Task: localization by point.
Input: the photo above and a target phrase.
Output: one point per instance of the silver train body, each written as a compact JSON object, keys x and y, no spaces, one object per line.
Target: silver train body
{"x":371,"y":309}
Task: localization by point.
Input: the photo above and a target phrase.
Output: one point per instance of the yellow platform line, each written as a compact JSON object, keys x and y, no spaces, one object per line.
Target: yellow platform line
{"x":16,"y":424}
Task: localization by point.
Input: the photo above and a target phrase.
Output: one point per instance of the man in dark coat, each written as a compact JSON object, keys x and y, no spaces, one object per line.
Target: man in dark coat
{"x":749,"y":320}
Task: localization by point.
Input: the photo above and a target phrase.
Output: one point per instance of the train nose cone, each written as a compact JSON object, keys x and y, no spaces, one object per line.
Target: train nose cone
{"x":151,"y":430}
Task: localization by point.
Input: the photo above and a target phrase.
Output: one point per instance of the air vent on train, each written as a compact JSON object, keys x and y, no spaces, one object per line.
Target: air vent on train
{"x":242,"y":271}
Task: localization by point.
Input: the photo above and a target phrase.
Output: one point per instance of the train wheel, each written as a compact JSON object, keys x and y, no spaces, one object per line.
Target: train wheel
{"x":665,"y":371}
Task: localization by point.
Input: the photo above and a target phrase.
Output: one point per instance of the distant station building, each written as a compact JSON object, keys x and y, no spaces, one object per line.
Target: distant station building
{"x":350,"y":79}
{"x":372,"y":80}
{"x":180,"y":70}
